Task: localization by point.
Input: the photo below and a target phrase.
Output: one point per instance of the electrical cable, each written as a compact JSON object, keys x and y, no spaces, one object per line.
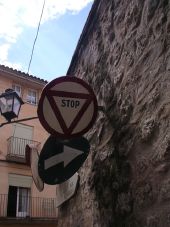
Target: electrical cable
{"x":32,"y":52}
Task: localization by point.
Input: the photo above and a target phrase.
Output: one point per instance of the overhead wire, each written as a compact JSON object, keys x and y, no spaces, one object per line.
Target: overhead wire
{"x":38,"y":28}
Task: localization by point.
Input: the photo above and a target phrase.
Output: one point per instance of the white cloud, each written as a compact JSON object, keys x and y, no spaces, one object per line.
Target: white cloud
{"x":4,"y":48}
{"x":53,"y":9}
{"x":18,"y":14}
{"x":4,"y":51}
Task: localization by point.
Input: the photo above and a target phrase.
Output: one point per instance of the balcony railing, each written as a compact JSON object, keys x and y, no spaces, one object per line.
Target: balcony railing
{"x":16,"y":148}
{"x":27,"y":208}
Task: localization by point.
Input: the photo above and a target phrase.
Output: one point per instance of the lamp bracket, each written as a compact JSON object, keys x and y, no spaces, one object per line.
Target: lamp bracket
{"x":16,"y":121}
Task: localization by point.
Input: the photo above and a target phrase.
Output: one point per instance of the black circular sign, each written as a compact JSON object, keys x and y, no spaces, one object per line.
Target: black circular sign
{"x":60,"y":159}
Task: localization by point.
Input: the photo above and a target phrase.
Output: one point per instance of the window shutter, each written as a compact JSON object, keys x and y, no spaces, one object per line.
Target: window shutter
{"x":19,"y":180}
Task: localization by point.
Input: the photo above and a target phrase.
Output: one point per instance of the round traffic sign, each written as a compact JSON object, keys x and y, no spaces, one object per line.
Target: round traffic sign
{"x":67,"y":107}
{"x":60,"y":159}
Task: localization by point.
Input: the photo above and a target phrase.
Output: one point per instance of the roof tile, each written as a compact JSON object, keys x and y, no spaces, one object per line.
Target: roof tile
{"x":22,"y":74}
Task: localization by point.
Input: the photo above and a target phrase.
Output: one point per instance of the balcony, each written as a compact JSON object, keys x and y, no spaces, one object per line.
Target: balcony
{"x":16,"y":148}
{"x":27,"y":209}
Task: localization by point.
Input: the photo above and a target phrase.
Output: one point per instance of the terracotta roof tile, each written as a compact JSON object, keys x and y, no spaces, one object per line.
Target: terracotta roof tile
{"x":22,"y":74}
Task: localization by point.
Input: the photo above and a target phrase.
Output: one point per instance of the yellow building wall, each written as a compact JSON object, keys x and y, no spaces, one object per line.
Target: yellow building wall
{"x":39,"y":134}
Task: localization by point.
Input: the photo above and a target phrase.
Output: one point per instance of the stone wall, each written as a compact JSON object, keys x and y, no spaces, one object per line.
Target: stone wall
{"x":124,"y":54}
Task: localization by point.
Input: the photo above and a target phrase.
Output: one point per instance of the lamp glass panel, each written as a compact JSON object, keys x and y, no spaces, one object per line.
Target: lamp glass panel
{"x":6,"y":104}
{"x":3,"y":104}
{"x":16,"y":106}
{"x":9,"y":103}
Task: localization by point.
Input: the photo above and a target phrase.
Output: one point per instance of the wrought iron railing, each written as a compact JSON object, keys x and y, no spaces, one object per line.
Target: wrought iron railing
{"x":16,"y":148}
{"x":27,"y":207}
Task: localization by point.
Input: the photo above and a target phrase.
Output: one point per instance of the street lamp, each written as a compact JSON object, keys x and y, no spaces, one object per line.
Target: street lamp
{"x":10,"y":105}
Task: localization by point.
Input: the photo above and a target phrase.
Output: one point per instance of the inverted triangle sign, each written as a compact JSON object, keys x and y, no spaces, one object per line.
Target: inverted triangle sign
{"x":68,"y":108}
{"x":63,"y":106}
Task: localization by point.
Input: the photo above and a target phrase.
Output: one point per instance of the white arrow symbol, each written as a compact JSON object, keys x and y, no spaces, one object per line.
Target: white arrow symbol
{"x":66,"y":156}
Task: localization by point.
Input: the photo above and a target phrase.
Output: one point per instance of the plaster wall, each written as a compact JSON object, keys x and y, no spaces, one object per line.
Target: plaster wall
{"x":39,"y":135}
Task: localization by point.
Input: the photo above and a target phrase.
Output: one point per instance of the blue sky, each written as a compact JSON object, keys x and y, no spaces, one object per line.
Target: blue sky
{"x":61,"y":26}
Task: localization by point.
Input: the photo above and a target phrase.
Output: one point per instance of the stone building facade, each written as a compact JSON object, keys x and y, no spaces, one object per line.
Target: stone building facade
{"x":124,"y":54}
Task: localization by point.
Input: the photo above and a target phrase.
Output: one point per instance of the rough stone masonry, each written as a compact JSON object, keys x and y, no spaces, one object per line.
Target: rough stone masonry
{"x":124,"y":54}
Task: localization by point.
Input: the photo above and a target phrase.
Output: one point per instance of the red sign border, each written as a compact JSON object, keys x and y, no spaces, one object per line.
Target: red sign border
{"x":46,"y":91}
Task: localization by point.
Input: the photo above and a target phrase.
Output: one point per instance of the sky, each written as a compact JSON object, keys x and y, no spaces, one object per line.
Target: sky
{"x":61,"y":26}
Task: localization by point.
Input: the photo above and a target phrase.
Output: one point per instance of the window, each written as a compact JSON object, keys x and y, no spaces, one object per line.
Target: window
{"x":19,"y":195}
{"x":18,"y":201}
{"x":17,"y":88}
{"x":23,"y":197}
{"x":32,"y":97}
{"x":21,"y":136}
